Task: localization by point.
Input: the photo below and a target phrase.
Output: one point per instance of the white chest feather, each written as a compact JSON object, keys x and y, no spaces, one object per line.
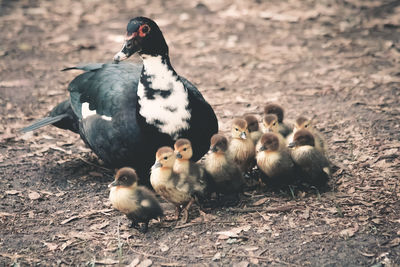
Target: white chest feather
{"x":167,"y":112}
{"x":181,"y":166}
{"x":302,"y":152}
{"x":87,"y":112}
{"x":121,"y":199}
{"x":215,"y":163}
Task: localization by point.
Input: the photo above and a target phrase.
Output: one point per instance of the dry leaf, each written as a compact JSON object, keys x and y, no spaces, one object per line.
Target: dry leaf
{"x":99,"y":225}
{"x":145,"y":263}
{"x":260,"y":201}
{"x":395,"y":242}
{"x":107,"y":261}
{"x":134,"y":263}
{"x":12,"y":192}
{"x":51,"y":246}
{"x":69,"y":219}
{"x":34,"y":195}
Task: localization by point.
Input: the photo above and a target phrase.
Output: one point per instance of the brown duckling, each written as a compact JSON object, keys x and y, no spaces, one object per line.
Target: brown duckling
{"x":304,"y":123}
{"x":271,"y":125}
{"x":225,"y":173}
{"x":180,"y":190}
{"x":138,"y":203}
{"x":241,"y":148}
{"x":271,"y":108}
{"x":313,"y":165}
{"x":274,"y":161}
{"x":254,"y":129}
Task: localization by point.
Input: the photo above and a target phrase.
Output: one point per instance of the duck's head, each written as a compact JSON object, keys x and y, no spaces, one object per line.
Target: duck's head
{"x":183,"y":149}
{"x":219,"y":143}
{"x":165,"y":158}
{"x":269,"y":142}
{"x":303,"y":123}
{"x":144,"y":37}
{"x":239,"y":129}
{"x":125,"y":177}
{"x":302,"y":138}
{"x":271,"y":108}
{"x":271,"y":123}
{"x":252,"y":123}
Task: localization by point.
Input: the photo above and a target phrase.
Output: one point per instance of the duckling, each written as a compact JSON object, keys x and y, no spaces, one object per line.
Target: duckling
{"x":313,"y":165}
{"x":137,"y":202}
{"x":271,"y":108}
{"x":241,"y":148}
{"x":274,"y":161}
{"x":185,"y":167}
{"x":252,"y":125}
{"x":226,"y":175}
{"x":304,"y":123}
{"x":177,"y":189}
{"x":271,"y":125}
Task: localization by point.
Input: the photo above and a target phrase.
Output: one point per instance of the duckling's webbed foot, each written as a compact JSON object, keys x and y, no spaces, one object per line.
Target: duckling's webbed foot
{"x":185,"y":210}
{"x":178,"y":211}
{"x":145,"y":226}
{"x":134,"y":225}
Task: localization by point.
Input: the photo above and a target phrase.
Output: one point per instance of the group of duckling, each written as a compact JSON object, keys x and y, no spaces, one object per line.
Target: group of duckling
{"x":283,"y":156}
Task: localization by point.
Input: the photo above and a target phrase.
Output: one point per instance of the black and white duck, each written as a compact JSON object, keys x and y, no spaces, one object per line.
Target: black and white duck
{"x":125,"y":112}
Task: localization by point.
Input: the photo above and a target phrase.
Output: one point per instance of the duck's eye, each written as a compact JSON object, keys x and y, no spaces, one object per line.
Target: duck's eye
{"x":185,"y":149}
{"x":165,"y":158}
{"x":274,"y":124}
{"x":145,"y":29}
{"x":236,"y":129}
{"x":305,"y":126}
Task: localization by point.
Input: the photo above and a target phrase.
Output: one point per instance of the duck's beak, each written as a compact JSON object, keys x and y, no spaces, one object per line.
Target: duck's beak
{"x":243,"y":135}
{"x":213,"y":149}
{"x":130,"y":47}
{"x":178,"y":155}
{"x":291,"y":144}
{"x":156,"y":165}
{"x":261,"y":149}
{"x":115,"y":183}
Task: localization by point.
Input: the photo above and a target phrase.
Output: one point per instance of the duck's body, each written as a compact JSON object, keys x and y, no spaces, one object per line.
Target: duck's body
{"x":275,"y":162}
{"x":313,"y":165}
{"x":225,"y":173}
{"x":125,"y":112}
{"x":137,"y":202}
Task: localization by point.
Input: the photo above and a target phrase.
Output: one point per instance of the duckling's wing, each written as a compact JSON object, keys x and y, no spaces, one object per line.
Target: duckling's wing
{"x":148,"y":206}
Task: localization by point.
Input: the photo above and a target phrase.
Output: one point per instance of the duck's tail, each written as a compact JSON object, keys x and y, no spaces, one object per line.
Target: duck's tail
{"x":43,"y":122}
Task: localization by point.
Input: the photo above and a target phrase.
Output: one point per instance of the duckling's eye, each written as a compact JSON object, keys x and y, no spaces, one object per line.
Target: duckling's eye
{"x":165,"y":158}
{"x":236,"y":129}
{"x":274,"y":124}
{"x":305,"y":126}
{"x":185,"y":149}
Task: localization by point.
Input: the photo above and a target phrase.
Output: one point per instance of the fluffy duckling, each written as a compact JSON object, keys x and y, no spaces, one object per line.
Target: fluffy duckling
{"x":241,"y":148}
{"x":304,"y":123}
{"x":252,"y":125}
{"x":274,"y":161}
{"x":226,"y":175}
{"x":180,"y":190}
{"x":137,"y":202}
{"x":271,"y":125}
{"x":313,"y":164}
{"x":271,"y":108}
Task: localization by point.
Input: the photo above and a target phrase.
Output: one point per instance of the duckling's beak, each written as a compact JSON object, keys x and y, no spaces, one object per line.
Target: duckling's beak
{"x":213,"y":149}
{"x":156,"y":165}
{"x":115,"y":183}
{"x":178,"y":155}
{"x":243,"y":135}
{"x":291,"y":144}
{"x":268,"y":130}
{"x":261,"y":149}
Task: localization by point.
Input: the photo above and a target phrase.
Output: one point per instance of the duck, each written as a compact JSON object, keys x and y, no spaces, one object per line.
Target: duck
{"x":271,"y":125}
{"x":271,"y":108}
{"x":313,"y":166}
{"x":190,"y":170}
{"x":241,"y":148}
{"x":179,"y":190}
{"x":227,"y":177}
{"x":125,"y":111}
{"x":304,"y":123}
{"x":274,"y":161}
{"x":253,"y":126}
{"x":138,"y":203}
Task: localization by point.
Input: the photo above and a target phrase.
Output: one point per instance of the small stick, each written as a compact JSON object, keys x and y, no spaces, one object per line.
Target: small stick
{"x":272,"y":209}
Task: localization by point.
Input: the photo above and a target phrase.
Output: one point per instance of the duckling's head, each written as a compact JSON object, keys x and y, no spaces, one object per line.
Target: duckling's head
{"x":271,"y":123}
{"x":252,"y":123}
{"x":143,"y":36}
{"x":183,"y":149}
{"x":125,"y":177}
{"x":271,"y":108}
{"x":302,"y":138}
{"x":239,"y":129}
{"x":302,"y":123}
{"x":165,"y":158}
{"x":269,"y":142}
{"x":219,"y":143}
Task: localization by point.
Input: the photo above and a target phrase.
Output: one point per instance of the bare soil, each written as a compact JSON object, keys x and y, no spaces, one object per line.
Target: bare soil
{"x":337,"y":61}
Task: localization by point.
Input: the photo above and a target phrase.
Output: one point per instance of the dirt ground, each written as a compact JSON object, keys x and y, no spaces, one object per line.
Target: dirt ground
{"x":337,"y":61}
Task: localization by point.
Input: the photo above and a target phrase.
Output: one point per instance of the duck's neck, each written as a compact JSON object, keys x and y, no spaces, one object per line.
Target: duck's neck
{"x":162,"y":96}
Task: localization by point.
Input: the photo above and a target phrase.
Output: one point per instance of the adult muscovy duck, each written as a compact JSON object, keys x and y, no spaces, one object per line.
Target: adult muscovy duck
{"x":124,"y":112}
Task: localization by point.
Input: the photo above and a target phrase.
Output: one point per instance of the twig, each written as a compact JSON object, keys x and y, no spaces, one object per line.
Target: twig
{"x":272,"y":209}
{"x":257,"y":257}
{"x":94,"y":165}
